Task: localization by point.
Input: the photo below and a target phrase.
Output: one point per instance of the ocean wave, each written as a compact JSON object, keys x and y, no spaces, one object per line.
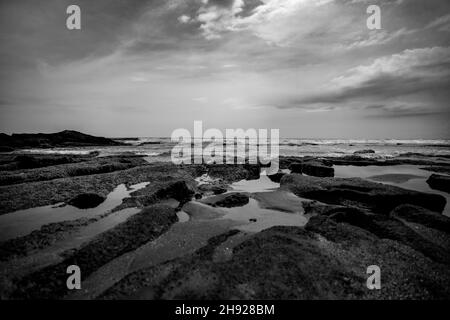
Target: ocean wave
{"x":58,"y":151}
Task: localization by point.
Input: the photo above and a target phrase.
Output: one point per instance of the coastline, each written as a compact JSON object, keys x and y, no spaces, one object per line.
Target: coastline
{"x":308,"y":232}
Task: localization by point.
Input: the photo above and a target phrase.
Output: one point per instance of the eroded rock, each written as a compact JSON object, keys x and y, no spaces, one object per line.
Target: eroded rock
{"x":178,"y":190}
{"x":317,"y":169}
{"x":312,"y":168}
{"x":364,"y":151}
{"x":228,"y":200}
{"x":86,"y":200}
{"x":423,"y":216}
{"x":439,"y":182}
{"x":276,"y":177}
{"x":380,"y":198}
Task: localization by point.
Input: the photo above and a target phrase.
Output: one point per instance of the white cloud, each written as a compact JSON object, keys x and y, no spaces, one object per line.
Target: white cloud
{"x":305,"y":23}
{"x":217,"y":19}
{"x":402,"y":84}
{"x":200,"y":99}
{"x":184,"y":19}
{"x":423,"y":63}
{"x":377,"y":37}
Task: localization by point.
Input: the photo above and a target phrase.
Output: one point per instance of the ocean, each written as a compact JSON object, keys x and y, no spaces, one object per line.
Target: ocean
{"x":159,"y":149}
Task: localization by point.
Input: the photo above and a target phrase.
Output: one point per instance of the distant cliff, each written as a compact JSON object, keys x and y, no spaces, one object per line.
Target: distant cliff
{"x":66,"y":138}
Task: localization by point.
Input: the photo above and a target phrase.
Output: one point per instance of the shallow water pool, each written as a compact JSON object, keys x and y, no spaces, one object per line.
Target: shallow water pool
{"x":22,"y":222}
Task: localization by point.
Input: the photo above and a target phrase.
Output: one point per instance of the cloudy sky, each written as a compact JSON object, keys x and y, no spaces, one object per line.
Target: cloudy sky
{"x":310,"y":68}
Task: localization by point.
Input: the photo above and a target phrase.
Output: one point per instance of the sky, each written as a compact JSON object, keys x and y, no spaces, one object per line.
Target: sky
{"x":310,"y":68}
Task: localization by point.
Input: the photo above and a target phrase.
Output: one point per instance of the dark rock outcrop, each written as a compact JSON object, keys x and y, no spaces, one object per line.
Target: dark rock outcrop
{"x":218,"y":190}
{"x":312,"y":168}
{"x":357,"y":160}
{"x":149,"y":143}
{"x":278,"y":200}
{"x":365,"y":151}
{"x":41,"y":168}
{"x":198,"y":196}
{"x":6,"y":149}
{"x":389,"y":227}
{"x":317,"y":169}
{"x":379,"y":198}
{"x":215,"y":188}
{"x":438,"y":169}
{"x":423,"y":216}
{"x":228,"y":173}
{"x":46,"y":236}
{"x":276,"y":177}
{"x":233,"y":200}
{"x":228,"y":200}
{"x":25,"y":161}
{"x":439,"y":182}
{"x":86,"y":200}
{"x":296,"y":167}
{"x":178,"y":190}
{"x":67,"y":138}
{"x":253,"y":171}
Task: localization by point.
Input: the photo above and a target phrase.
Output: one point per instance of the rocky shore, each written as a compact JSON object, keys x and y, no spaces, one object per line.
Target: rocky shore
{"x":187,"y":239}
{"x":66,"y":138}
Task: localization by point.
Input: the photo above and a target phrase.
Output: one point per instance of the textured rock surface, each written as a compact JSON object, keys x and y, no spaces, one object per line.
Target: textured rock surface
{"x":378,"y":197}
{"x":439,"y":182}
{"x":67,"y":138}
{"x":50,"y":282}
{"x":364,"y":151}
{"x":312,"y":168}
{"x":228,"y":200}
{"x":86,"y":200}
{"x":327,"y":260}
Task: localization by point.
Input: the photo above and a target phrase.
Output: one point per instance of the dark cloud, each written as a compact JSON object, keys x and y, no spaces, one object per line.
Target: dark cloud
{"x":420,"y":73}
{"x":401,"y":110}
{"x":37,"y":30}
{"x":221,"y":3}
{"x":382,"y":87}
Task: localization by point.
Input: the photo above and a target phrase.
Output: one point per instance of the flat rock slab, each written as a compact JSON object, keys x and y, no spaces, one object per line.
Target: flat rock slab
{"x":314,"y":168}
{"x":438,"y":169}
{"x":227,"y":200}
{"x":364,"y":151}
{"x":202,"y":211}
{"x":279,"y":200}
{"x":276,"y":177}
{"x":439,"y":182}
{"x":365,"y":194}
{"x":395,"y":177}
{"x":423,"y":216}
{"x":389,"y":227}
